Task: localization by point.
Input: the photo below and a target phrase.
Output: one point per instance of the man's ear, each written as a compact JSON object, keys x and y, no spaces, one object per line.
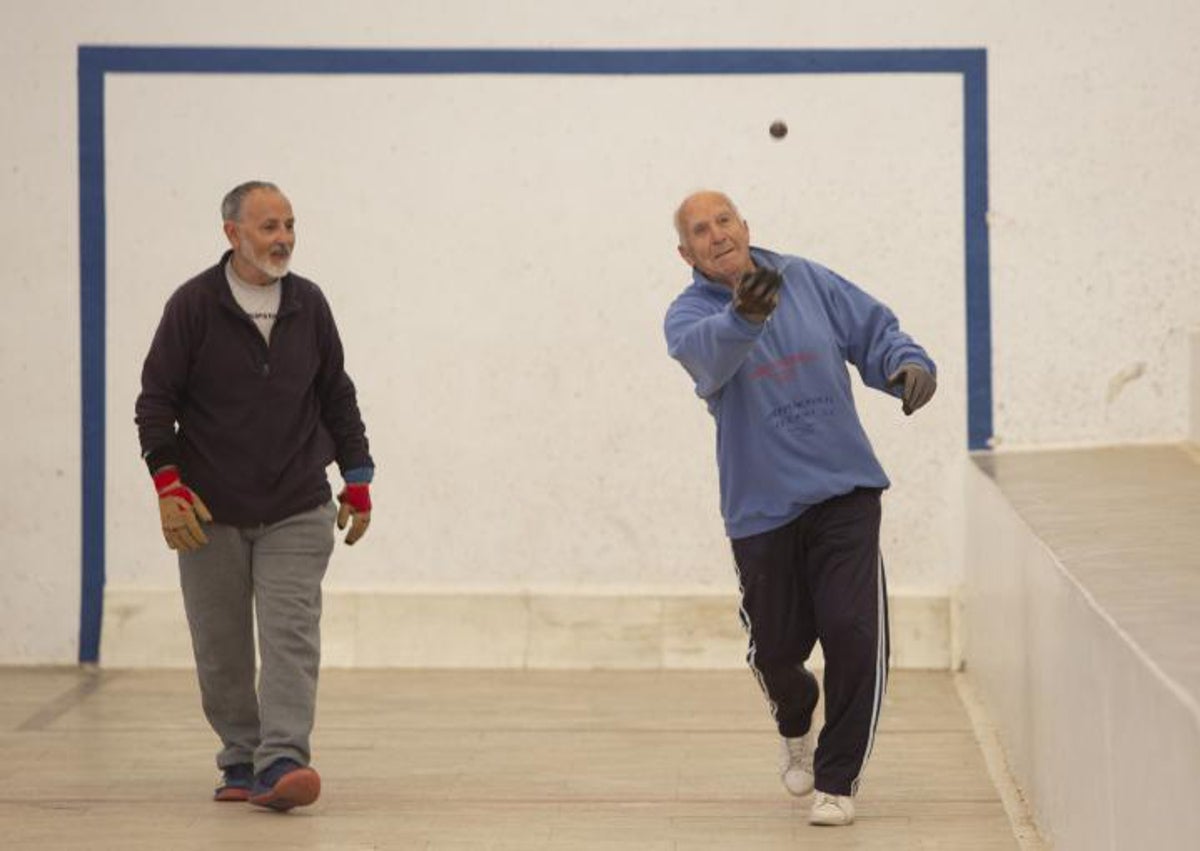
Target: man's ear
{"x":231,"y":233}
{"x":687,"y":255}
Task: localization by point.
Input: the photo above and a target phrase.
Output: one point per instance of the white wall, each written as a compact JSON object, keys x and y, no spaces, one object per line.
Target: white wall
{"x":1194,"y":389}
{"x":499,"y":253}
{"x":597,"y":473}
{"x":1103,"y":741}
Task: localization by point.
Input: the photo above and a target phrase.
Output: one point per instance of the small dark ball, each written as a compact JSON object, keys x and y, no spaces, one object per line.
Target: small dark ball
{"x":779,"y":129}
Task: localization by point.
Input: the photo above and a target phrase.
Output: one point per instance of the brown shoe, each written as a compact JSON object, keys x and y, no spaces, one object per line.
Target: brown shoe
{"x":286,"y":784}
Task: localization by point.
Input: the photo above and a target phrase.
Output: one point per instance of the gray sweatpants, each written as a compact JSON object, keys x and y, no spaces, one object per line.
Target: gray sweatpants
{"x":273,"y":572}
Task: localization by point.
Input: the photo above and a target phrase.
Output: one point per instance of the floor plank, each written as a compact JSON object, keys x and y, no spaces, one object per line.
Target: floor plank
{"x":481,"y":760}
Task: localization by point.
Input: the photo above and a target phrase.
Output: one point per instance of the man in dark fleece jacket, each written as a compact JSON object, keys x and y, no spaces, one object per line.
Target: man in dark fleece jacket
{"x":245,"y":402}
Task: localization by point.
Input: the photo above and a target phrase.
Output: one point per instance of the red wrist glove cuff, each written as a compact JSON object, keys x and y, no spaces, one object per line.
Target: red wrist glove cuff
{"x":168,"y":483}
{"x":357,"y":495}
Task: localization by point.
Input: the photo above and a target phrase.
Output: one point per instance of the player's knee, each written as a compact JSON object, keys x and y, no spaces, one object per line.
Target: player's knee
{"x":850,"y":636}
{"x":786,"y":675}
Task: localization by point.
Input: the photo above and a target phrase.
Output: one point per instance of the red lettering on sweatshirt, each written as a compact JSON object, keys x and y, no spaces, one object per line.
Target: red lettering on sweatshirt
{"x":783,"y":369}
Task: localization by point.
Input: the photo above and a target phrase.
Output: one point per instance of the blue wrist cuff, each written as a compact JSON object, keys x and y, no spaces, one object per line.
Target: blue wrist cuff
{"x":358,"y":476}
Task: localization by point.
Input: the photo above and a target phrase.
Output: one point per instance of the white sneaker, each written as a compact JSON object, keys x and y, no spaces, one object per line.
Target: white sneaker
{"x":831,"y":809}
{"x":796,"y":763}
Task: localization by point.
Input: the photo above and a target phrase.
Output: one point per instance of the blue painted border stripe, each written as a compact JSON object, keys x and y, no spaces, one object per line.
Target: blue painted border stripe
{"x":268,"y":60}
{"x":978,"y":251}
{"x":97,"y":61}
{"x":92,"y":261}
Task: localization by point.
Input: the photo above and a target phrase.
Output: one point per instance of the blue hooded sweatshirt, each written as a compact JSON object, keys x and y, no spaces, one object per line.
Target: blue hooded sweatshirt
{"x":788,"y":434}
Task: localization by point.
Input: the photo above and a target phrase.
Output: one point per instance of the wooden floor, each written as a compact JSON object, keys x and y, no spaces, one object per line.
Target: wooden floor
{"x":480,"y":760}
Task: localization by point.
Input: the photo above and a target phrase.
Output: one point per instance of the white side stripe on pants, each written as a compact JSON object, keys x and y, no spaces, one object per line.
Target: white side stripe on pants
{"x":881,"y":672}
{"x":744,"y":616}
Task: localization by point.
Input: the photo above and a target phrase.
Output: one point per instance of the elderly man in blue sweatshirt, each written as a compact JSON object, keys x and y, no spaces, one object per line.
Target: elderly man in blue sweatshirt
{"x":766,"y":338}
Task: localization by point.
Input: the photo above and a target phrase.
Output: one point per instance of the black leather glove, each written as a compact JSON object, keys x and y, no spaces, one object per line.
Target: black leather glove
{"x":919,"y":385}
{"x":757,"y":294}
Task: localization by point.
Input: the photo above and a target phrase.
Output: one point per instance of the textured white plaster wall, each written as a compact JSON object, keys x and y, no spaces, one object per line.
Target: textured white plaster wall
{"x":499,"y":254}
{"x":1094,"y":261}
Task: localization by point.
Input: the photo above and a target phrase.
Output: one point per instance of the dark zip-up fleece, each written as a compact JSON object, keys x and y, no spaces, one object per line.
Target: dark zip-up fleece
{"x":258,"y":424}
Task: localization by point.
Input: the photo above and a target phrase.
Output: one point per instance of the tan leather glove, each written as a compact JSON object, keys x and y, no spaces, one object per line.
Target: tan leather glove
{"x":355,"y":500}
{"x":181,"y":511}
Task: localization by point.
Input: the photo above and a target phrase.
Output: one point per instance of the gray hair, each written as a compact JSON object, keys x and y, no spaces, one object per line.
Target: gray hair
{"x":231,"y":204}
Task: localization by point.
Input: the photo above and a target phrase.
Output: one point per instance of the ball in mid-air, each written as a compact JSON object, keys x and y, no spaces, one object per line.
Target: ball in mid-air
{"x":778,"y":129}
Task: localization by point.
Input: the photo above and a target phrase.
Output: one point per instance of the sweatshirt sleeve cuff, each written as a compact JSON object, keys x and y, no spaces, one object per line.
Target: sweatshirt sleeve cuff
{"x":161,"y":456}
{"x":358,"y":475}
{"x":923,"y":362}
{"x":743,"y":326}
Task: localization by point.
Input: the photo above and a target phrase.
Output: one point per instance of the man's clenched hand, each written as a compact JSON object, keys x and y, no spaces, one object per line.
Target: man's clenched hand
{"x":180,"y":510}
{"x":919,"y":385}
{"x":355,"y":500}
{"x":757,"y":294}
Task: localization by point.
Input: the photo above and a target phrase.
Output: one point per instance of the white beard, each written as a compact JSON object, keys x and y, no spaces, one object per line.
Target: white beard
{"x":272,"y":267}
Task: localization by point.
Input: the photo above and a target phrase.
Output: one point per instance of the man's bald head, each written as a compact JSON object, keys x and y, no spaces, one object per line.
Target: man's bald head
{"x":713,"y":236}
{"x":696,"y":197}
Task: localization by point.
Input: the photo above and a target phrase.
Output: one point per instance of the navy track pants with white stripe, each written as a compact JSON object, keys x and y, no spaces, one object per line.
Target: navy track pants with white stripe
{"x":820,"y":577}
